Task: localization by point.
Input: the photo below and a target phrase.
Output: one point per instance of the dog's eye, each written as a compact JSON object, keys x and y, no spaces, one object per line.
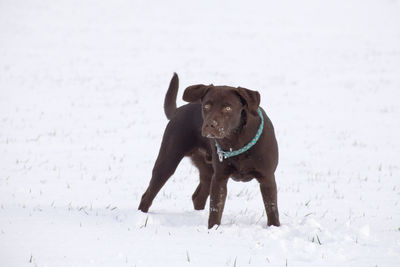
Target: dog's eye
{"x":207,"y":106}
{"x":227,"y":109}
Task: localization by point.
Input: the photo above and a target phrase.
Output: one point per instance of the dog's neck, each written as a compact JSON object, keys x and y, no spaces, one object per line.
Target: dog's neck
{"x":243,"y":134}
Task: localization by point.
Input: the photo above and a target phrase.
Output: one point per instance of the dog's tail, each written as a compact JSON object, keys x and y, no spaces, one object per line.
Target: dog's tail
{"x":170,"y":97}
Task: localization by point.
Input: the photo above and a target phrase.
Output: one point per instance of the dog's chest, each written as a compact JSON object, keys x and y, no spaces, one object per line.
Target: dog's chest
{"x":242,"y":169}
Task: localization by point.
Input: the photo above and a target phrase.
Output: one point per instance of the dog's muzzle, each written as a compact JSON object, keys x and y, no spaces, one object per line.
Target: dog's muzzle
{"x":211,"y":129}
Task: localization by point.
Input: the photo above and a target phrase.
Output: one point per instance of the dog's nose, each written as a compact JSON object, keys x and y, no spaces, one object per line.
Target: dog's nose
{"x":212,"y":129}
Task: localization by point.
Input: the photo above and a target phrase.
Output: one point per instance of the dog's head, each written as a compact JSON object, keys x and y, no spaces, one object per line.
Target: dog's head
{"x":224,"y":108}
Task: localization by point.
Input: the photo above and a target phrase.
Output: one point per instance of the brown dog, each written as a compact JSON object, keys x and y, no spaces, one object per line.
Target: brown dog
{"x":226,"y":134}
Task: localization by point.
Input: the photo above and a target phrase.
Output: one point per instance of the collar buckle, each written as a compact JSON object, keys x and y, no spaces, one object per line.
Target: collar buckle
{"x":220,"y":156}
{"x":221,"y":153}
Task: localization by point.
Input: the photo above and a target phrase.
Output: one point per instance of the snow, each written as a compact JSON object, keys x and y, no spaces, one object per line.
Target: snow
{"x":82,"y":85}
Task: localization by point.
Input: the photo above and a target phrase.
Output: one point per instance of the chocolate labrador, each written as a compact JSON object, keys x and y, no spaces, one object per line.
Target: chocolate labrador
{"x":227,"y":135}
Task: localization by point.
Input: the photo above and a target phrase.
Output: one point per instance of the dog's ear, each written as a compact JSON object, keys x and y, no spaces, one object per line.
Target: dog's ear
{"x":249,"y":98}
{"x":195,"y":92}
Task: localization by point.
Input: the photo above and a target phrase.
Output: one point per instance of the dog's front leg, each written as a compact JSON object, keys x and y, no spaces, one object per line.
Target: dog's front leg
{"x":218,"y":193}
{"x":269,"y":195}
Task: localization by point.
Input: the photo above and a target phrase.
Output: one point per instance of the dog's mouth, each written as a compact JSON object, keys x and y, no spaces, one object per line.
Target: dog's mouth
{"x":214,"y":133}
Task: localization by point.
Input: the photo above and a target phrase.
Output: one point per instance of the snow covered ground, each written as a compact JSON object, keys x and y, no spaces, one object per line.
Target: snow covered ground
{"x":82,"y":85}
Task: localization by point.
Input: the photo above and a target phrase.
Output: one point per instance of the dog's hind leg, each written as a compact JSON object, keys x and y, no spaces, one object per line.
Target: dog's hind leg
{"x":202,"y":191}
{"x":202,"y":161}
{"x":162,"y":171}
{"x":172,"y":150}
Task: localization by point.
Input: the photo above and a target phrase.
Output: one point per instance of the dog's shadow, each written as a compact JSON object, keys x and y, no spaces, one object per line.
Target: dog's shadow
{"x":175,"y":219}
{"x":196,"y":219}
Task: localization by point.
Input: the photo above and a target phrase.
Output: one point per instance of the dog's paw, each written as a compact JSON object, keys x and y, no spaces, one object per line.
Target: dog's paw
{"x":212,"y":221}
{"x":143,"y":207}
{"x":274,"y":222}
{"x":198,"y":206}
{"x":144,"y":204}
{"x":199,"y":201}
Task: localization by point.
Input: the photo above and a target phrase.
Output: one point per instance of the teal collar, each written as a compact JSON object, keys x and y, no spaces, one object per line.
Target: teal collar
{"x":227,"y":154}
